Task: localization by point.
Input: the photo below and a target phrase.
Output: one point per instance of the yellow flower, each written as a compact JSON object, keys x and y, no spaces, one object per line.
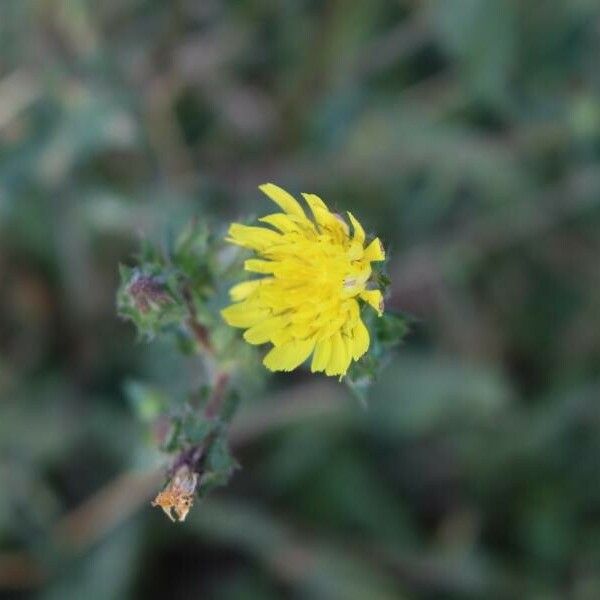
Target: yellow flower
{"x":315,"y":271}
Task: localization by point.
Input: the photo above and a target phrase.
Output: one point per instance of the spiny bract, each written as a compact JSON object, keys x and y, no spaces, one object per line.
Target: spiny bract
{"x":315,"y":270}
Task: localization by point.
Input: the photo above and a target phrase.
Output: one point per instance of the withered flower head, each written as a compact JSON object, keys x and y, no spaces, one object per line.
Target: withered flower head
{"x":178,"y":495}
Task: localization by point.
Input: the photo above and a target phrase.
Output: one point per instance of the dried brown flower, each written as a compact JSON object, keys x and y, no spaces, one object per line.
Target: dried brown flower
{"x":177,"y":497}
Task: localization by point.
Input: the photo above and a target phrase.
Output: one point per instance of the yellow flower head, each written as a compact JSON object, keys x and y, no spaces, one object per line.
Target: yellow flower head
{"x":314,"y":273}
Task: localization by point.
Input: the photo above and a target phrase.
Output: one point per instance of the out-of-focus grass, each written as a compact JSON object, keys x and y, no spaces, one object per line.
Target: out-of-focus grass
{"x":467,"y":134}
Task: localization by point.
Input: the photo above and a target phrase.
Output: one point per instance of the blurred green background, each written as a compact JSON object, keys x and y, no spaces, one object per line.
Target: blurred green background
{"x":467,"y":134}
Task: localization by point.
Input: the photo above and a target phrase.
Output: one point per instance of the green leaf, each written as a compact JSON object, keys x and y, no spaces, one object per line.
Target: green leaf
{"x":219,"y":465}
{"x":386,"y":332}
{"x":218,"y":456}
{"x":391,"y":328}
{"x":196,"y":431}
{"x":230,"y":406}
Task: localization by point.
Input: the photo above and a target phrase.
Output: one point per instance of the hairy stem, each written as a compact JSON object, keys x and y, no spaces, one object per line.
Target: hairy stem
{"x":200,"y":332}
{"x":215,"y":402}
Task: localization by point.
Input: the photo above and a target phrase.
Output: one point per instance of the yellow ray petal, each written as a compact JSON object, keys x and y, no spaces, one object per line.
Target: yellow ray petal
{"x":348,"y":353}
{"x":314,"y":202}
{"x":289,"y":356}
{"x":338,"y":361}
{"x":255,"y":265}
{"x":341,"y":224}
{"x":319,"y":209}
{"x":356,"y":251}
{"x":333,"y":223}
{"x":321,"y":356}
{"x":358,"y":231}
{"x":282,"y":336}
{"x":263,"y":332}
{"x":374,"y":252}
{"x":244,"y":314}
{"x":242,"y":290}
{"x":283,"y":199}
{"x":285,"y":223}
{"x":353,"y":309}
{"x":374,"y":298}
{"x":255,"y":238}
{"x":356,"y":280}
{"x":360,"y":340}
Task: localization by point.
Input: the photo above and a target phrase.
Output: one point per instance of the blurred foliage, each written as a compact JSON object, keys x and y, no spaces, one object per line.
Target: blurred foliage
{"x":467,"y":135}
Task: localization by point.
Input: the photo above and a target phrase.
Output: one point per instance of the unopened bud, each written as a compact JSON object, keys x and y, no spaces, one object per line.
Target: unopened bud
{"x":147,"y":293}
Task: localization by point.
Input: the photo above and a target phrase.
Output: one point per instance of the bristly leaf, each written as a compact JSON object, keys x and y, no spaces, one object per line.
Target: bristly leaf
{"x":391,"y":328}
{"x":230,"y":406}
{"x":196,"y":431}
{"x":219,"y":465}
